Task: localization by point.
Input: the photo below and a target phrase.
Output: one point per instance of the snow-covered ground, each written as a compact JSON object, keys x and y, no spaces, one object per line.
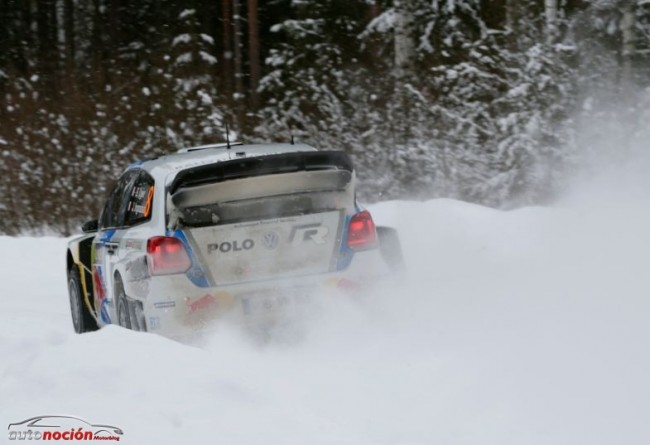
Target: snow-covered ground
{"x":523,"y":327}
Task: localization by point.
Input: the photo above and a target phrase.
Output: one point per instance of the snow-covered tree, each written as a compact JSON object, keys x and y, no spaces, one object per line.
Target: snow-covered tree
{"x":194,"y":117}
{"x":484,"y":114}
{"x":312,"y":86}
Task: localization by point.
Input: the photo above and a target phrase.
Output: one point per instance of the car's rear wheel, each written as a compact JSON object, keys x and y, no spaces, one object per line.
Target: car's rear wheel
{"x":82,"y":320}
{"x":123,"y":313}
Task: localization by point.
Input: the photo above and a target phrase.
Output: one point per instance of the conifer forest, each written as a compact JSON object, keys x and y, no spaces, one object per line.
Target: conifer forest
{"x":486,"y":101}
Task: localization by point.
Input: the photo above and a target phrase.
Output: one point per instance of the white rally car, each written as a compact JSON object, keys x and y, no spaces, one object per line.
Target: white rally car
{"x":223,"y":230}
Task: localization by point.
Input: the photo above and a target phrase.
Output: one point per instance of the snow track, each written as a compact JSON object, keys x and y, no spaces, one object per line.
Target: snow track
{"x":522,"y":327}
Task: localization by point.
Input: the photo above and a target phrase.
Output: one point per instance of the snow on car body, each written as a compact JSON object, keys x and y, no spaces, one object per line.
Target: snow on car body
{"x":185,"y":239}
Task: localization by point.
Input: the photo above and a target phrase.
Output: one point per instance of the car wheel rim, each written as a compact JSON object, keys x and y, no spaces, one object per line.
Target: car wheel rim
{"x":75,"y":304}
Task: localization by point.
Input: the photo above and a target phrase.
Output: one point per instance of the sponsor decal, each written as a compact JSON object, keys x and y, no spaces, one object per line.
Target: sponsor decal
{"x":154,"y":324}
{"x":62,"y":428}
{"x":308,"y":232}
{"x":133,"y":244}
{"x":220,"y":300}
{"x":147,"y":207}
{"x":100,"y":294}
{"x":270,"y":304}
{"x":202,"y":310}
{"x":99,"y":283}
{"x":265,"y":222}
{"x":231,"y":246}
{"x":270,"y":240}
{"x":203,"y":303}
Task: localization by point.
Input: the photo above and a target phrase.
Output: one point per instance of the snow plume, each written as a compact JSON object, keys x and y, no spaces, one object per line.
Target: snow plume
{"x":612,"y":146}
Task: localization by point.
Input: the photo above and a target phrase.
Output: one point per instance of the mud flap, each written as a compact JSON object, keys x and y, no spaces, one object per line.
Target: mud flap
{"x":390,"y":248}
{"x":136,"y":314}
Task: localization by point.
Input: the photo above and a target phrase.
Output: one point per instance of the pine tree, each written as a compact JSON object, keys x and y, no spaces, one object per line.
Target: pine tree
{"x":194,"y":117}
{"x":311,"y":85}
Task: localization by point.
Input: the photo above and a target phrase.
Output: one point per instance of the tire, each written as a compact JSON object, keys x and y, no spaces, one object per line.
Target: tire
{"x":123,"y":312}
{"x":82,"y":319}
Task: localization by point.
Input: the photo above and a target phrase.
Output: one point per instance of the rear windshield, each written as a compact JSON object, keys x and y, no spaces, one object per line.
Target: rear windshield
{"x":261,"y":208}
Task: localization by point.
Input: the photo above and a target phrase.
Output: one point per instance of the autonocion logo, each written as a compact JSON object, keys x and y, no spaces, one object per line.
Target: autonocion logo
{"x":65,"y":428}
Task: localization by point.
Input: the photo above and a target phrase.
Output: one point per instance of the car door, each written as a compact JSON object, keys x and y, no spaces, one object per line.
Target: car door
{"x":107,"y":244}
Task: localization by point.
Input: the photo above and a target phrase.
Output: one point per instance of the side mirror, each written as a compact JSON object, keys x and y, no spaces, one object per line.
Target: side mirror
{"x":90,"y":226}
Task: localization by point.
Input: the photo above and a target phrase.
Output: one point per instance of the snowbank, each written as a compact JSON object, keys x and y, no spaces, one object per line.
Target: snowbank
{"x":522,"y":327}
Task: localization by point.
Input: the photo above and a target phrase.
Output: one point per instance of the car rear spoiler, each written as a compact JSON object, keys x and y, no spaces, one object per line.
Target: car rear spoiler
{"x":261,"y":166}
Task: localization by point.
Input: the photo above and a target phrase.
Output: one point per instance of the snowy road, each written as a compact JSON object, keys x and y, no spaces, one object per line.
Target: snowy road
{"x":523,"y":327}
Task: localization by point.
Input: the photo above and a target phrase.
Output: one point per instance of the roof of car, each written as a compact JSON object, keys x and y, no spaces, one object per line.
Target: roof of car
{"x":208,"y":154}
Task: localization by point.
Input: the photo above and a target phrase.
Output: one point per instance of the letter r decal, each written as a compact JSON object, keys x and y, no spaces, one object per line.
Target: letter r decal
{"x":308,"y":232}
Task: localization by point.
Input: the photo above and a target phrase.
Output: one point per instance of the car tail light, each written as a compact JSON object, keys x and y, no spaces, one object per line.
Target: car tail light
{"x":167,"y":255}
{"x":361,"y":232}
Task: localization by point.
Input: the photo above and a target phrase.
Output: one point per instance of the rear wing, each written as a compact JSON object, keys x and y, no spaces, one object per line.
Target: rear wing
{"x":261,"y":187}
{"x":307,"y":161}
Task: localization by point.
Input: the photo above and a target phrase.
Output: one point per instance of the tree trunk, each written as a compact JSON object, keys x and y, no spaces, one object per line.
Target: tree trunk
{"x":69,"y":35}
{"x":404,"y":41}
{"x":114,"y":33}
{"x":374,"y":9}
{"x":404,"y":71}
{"x":239,"y":75}
{"x":551,"y":21}
{"x":628,"y":23}
{"x":100,"y":76}
{"x":254,"y":52}
{"x":374,"y":46}
{"x":226,"y":41}
{"x":511,"y":16}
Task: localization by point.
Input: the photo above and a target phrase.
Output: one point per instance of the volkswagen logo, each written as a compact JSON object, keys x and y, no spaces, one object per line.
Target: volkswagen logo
{"x":270,"y":240}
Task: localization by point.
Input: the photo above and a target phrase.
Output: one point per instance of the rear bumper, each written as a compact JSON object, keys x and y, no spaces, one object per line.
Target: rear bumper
{"x":177,"y":308}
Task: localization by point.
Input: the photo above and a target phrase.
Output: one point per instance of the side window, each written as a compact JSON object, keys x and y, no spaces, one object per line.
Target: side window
{"x":113,"y":214}
{"x":105,"y":220}
{"x":140,"y":200}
